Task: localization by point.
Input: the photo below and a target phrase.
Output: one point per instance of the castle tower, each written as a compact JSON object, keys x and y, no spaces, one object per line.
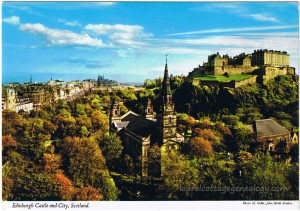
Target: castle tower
{"x":148,"y":112}
{"x":115,"y":113}
{"x":166,"y":117}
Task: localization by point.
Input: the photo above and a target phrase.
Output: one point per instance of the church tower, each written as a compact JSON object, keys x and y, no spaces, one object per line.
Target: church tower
{"x":115,"y":113}
{"x":166,"y":117}
{"x":148,"y":112}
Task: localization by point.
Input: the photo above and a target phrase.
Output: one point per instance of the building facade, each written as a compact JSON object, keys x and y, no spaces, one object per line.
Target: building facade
{"x":270,"y":58}
{"x":138,"y":133}
{"x":9,"y":97}
{"x":271,"y":135}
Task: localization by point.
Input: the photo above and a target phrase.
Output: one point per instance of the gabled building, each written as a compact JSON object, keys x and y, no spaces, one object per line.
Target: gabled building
{"x":139,"y":133}
{"x":270,"y":134}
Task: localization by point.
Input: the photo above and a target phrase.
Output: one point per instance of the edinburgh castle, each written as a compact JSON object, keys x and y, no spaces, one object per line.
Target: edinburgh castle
{"x":261,"y":64}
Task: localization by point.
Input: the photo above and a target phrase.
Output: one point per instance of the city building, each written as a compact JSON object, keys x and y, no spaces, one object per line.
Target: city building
{"x":139,"y":133}
{"x":24,"y":104}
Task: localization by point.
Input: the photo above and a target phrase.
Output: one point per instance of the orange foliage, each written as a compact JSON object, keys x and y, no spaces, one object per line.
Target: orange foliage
{"x":201,"y":147}
{"x":65,"y":186}
{"x":51,"y":163}
{"x":8,"y":143}
{"x":88,"y":194}
{"x":205,"y":133}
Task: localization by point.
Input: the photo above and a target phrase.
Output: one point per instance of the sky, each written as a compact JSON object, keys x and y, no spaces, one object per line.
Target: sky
{"x":128,"y":41}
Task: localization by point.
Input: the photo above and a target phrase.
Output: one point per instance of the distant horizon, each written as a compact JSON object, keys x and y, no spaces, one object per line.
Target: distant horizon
{"x":76,"y":40}
{"x":63,"y":77}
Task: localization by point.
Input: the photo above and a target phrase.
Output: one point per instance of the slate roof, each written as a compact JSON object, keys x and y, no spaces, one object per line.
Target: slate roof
{"x":121,"y":124}
{"x":139,"y":125}
{"x":268,"y":127}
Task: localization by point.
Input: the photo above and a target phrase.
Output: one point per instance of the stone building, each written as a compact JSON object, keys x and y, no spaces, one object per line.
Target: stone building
{"x":138,"y":133}
{"x":9,"y":97}
{"x":24,"y":104}
{"x":269,"y":134}
{"x":270,"y":58}
{"x":218,"y":65}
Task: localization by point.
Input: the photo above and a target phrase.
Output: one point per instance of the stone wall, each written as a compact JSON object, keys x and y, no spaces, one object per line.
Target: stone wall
{"x":251,"y":80}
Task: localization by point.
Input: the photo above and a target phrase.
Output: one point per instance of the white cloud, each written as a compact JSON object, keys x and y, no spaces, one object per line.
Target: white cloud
{"x":261,"y":17}
{"x":56,"y":37}
{"x":236,"y":30}
{"x":69,"y":23}
{"x":106,"y":3}
{"x":12,"y":20}
{"x":273,"y":34}
{"x":121,"y":34}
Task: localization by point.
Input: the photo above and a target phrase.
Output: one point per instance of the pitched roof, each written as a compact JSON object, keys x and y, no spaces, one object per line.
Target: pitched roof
{"x":121,"y":124}
{"x":139,"y":125}
{"x":268,"y":127}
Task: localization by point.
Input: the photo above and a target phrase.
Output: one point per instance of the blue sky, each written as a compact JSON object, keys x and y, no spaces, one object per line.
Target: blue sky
{"x":128,"y":41}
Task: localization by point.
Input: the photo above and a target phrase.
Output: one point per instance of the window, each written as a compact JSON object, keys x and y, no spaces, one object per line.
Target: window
{"x":116,"y":112}
{"x":149,"y":110}
{"x":170,"y":120}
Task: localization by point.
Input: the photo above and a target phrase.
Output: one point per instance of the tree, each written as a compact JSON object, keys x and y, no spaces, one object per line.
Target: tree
{"x":36,"y":187}
{"x":82,"y":157}
{"x":88,"y":194}
{"x":111,"y":147}
{"x":11,"y":122}
{"x":80,"y":110}
{"x":210,"y":136}
{"x":51,"y":163}
{"x":66,"y":126}
{"x":154,"y":160}
{"x":84,"y":132}
{"x":270,"y":176}
{"x":7,"y":188}
{"x":99,"y":121}
{"x":65,"y":187}
{"x":201,"y":147}
{"x":177,"y":173}
{"x":8,"y":145}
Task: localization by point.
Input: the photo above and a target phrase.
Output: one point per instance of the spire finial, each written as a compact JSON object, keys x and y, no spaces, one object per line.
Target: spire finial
{"x":166,"y":58}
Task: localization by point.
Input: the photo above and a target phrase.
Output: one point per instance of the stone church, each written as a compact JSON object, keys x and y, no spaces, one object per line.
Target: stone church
{"x":139,"y":132}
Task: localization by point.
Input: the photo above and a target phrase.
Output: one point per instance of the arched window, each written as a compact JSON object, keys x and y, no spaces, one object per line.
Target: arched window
{"x":170,"y":120}
{"x":116,"y":112}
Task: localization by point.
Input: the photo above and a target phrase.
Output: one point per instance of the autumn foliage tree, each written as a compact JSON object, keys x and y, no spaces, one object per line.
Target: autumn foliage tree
{"x":201,"y":147}
{"x":8,"y":145}
{"x":88,"y":194}
{"x":65,"y":187}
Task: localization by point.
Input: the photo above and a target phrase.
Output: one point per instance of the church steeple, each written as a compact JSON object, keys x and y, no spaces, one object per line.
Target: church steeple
{"x":166,"y":82}
{"x":166,"y":116}
{"x":31,"y":79}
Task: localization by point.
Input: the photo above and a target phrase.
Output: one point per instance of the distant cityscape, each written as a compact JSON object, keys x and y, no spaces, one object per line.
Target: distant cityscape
{"x":25,"y":97}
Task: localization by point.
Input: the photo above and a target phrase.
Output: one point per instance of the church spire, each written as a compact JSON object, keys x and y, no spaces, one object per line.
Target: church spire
{"x":166,"y":82}
{"x":31,"y":79}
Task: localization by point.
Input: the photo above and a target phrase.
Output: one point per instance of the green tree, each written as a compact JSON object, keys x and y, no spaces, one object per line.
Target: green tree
{"x":111,"y":147}
{"x":36,"y":187}
{"x":177,"y":174}
{"x":99,"y":121}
